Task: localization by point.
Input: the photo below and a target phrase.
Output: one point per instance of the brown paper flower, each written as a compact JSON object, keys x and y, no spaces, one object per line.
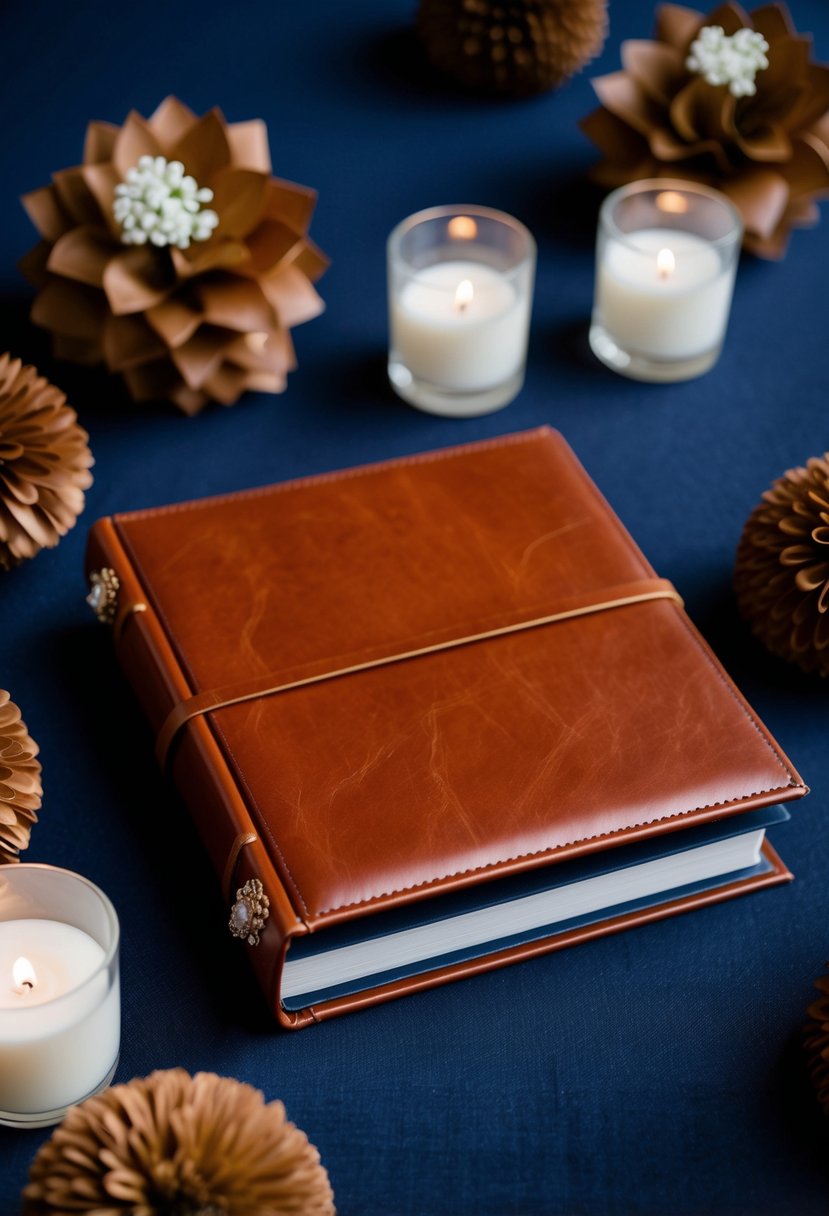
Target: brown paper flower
{"x":817,"y":1042}
{"x":44,"y":463}
{"x":176,"y":1145}
{"x":20,"y":788}
{"x":768,"y":151}
{"x":512,"y":47}
{"x":191,"y":318}
{"x":782,"y":573}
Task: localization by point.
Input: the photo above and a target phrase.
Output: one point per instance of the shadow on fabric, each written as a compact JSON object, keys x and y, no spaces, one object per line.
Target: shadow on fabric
{"x":175,"y":895}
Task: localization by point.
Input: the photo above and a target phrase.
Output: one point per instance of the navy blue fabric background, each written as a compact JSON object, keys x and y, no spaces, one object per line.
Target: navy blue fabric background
{"x":654,"y":1072}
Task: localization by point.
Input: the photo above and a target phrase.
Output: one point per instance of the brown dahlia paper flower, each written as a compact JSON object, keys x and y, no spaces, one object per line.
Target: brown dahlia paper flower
{"x":191,"y":324}
{"x":782,"y":572}
{"x":175,"y":1145}
{"x":512,"y":47}
{"x":769,"y":152}
{"x":20,"y":787}
{"x":44,"y":463}
{"x":817,"y":1042}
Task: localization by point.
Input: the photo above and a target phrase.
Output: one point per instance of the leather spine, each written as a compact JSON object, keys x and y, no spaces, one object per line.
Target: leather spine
{"x":199,"y":767}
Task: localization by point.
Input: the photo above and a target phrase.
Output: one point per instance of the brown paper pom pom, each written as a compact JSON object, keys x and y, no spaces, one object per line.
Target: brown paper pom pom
{"x":172,"y":1143}
{"x":782,"y":573}
{"x":188,"y":310}
{"x":512,"y":47}
{"x":817,"y":1042}
{"x":20,"y":788}
{"x":44,"y":463}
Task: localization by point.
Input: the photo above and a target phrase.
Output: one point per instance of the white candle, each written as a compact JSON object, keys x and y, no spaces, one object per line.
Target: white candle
{"x":59,"y":1016}
{"x":664,"y":293}
{"x":460,"y":325}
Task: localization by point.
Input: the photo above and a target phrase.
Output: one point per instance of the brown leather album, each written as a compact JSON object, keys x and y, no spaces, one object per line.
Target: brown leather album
{"x":432,"y":716}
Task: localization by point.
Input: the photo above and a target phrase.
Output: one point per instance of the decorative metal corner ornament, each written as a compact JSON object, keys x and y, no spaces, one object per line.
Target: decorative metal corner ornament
{"x":103,"y":594}
{"x":250,"y":912}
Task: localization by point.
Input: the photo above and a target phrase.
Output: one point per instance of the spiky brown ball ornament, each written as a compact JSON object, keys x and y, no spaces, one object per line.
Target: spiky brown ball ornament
{"x":175,"y":1145}
{"x":172,"y":256}
{"x":782,"y":572}
{"x":44,"y":463}
{"x":672,"y":112}
{"x":20,"y":788}
{"x":512,"y":47}
{"x":817,"y":1042}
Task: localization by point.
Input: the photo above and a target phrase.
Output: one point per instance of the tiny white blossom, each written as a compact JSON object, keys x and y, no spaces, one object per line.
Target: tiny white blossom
{"x":732,"y":59}
{"x":160,"y":203}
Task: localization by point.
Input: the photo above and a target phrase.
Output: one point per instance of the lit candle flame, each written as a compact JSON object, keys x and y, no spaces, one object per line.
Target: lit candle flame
{"x":23,"y":974}
{"x":665,"y":263}
{"x":463,"y":294}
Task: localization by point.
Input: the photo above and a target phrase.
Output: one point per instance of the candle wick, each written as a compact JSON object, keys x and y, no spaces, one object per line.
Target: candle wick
{"x":665,"y":263}
{"x":463,"y":295}
{"x":27,"y":984}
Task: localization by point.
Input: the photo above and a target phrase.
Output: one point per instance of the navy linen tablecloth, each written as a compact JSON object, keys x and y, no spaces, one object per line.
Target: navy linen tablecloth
{"x":656,"y":1072}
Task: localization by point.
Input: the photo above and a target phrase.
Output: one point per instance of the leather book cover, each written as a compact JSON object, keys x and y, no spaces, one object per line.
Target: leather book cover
{"x":376,"y":686}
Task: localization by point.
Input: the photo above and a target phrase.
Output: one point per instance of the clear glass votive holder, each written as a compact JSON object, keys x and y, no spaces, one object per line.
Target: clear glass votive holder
{"x":460,"y":283}
{"x":60,"y":1011}
{"x":666,"y":258}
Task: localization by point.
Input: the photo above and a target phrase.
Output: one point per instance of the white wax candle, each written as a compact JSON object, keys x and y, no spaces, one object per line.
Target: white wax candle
{"x":463,"y":342}
{"x":670,"y":308}
{"x":60,"y":1031}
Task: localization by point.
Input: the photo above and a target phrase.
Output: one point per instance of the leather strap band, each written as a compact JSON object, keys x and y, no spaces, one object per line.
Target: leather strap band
{"x":125,"y":614}
{"x":640,"y":592}
{"x":229,"y":875}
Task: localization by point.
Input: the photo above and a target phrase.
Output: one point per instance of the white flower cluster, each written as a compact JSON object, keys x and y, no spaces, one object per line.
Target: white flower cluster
{"x":729,"y":59}
{"x":160,"y":203}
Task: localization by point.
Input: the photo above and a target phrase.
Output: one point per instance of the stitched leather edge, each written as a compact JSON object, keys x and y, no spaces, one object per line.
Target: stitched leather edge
{"x":491,"y":865}
{"x":360,"y":470}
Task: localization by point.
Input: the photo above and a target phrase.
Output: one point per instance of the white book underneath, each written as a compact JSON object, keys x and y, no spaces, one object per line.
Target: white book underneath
{"x":382,"y":946}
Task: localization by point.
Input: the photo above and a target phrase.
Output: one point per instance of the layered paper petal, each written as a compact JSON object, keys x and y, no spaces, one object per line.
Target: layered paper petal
{"x":249,"y":146}
{"x":292,"y":296}
{"x":134,"y":140}
{"x":101,"y":181}
{"x":44,"y":470}
{"x":20,"y":786}
{"x":204,"y":322}
{"x":202,"y":355}
{"x":76,"y":197}
{"x":47,"y":213}
{"x":175,"y":320}
{"x":204,"y":148}
{"x":69,"y":308}
{"x":678,"y":26}
{"x":660,"y":118}
{"x":761,"y":196}
{"x":170,"y":122}
{"x":239,"y":197}
{"x":81,"y":254}
{"x":310,"y":260}
{"x":136,"y":279}
{"x":658,"y":69}
{"x":99,"y":144}
{"x":129,"y":341}
{"x":271,"y":244}
{"x":237,"y":304}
